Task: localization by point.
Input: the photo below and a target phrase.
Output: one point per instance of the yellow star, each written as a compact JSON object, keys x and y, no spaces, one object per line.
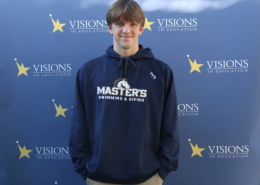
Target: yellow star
{"x":195,"y":66}
{"x":60,"y":110}
{"x":196,"y":150}
{"x":147,"y":24}
{"x":57,"y":25}
{"x":24,"y":152}
{"x":22,"y":69}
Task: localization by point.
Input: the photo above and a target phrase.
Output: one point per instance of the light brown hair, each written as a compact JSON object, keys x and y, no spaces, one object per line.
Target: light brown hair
{"x":128,"y":9}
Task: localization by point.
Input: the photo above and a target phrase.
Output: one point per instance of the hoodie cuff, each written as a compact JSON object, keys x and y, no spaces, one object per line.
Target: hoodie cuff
{"x":163,"y":172}
{"x":84,"y":174}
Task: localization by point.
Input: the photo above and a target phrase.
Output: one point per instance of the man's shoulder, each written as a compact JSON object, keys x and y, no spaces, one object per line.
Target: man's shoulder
{"x":159,"y":64}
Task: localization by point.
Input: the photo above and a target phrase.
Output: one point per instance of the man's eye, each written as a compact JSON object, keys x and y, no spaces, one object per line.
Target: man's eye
{"x":119,"y":24}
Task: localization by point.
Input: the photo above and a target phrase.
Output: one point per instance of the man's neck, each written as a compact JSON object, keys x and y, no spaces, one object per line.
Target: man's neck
{"x":126,"y":52}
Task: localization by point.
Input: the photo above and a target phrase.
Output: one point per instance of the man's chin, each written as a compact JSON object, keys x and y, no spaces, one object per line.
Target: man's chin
{"x":127,"y":46}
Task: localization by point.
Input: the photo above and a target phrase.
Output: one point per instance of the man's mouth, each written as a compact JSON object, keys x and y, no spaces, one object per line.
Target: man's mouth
{"x":126,"y":37}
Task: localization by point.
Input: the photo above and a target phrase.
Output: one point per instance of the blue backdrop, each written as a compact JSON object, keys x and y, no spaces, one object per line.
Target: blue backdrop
{"x":211,"y":46}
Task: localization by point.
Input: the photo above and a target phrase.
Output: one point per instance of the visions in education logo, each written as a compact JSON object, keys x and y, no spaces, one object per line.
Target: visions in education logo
{"x":148,"y":24}
{"x":88,"y":25}
{"x":222,"y":151}
{"x":232,"y":151}
{"x":45,"y":70}
{"x":21,"y":68}
{"x":221,"y":66}
{"x":195,"y":149}
{"x":59,"y":110}
{"x":191,"y":109}
{"x":179,"y":24}
{"x":194,"y":65}
{"x":228,"y":66}
{"x":57,"y":25}
{"x":23,"y":151}
{"x":45,"y":152}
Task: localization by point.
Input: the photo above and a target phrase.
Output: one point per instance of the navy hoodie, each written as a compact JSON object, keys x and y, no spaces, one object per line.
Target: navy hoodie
{"x":124,"y":121}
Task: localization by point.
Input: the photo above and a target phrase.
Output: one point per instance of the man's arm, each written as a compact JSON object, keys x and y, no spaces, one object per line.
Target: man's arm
{"x":169,"y":136}
{"x":79,"y":144}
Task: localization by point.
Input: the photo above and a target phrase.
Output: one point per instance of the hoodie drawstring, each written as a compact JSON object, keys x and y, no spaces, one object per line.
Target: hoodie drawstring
{"x":128,"y":61}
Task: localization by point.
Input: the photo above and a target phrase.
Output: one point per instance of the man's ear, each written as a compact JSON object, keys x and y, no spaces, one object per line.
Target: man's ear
{"x":110,"y":29}
{"x":141,"y":30}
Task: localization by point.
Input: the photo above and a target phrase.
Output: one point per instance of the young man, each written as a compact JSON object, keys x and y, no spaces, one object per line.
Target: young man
{"x":124,"y":123}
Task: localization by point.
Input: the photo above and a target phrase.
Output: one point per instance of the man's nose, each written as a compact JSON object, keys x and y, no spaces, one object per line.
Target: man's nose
{"x":126,"y":28}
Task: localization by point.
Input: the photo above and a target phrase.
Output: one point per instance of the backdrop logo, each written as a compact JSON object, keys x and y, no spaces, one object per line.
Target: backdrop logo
{"x":194,"y":65}
{"x":221,"y":66}
{"x":148,"y":24}
{"x":45,"y":152}
{"x":57,"y":25}
{"x":232,"y":151}
{"x":222,"y":151}
{"x":21,"y":68}
{"x":191,"y":109}
{"x":180,"y":24}
{"x":52,"y":153}
{"x":59,"y":110}
{"x":195,"y":149}
{"x":228,"y":66}
{"x":23,"y":151}
{"x":88,"y":26}
{"x":45,"y":70}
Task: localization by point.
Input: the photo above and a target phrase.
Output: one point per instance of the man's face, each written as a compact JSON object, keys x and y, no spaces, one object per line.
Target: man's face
{"x":125,"y":34}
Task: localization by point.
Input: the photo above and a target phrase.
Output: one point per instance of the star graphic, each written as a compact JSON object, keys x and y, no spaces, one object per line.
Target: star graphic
{"x":22,"y":69}
{"x":195,"y":66}
{"x":57,"y":25}
{"x":147,"y":24}
{"x":196,"y":150}
{"x":24,"y":152}
{"x":60,"y":110}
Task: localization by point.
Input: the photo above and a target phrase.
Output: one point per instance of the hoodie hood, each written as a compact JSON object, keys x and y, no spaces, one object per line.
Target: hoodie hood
{"x":124,"y":62}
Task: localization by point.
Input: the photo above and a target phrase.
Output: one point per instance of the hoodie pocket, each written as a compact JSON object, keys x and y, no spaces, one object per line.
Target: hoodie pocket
{"x":90,"y":163}
{"x":122,"y":154}
{"x":148,"y":156}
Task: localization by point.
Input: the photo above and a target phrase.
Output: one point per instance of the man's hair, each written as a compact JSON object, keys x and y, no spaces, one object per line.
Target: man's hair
{"x":129,"y":10}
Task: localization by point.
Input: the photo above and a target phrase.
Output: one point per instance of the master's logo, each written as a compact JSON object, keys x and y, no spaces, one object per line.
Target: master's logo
{"x":221,"y":151}
{"x":44,"y":70}
{"x":177,"y":24}
{"x":188,"y":109}
{"x":121,"y":91}
{"x":122,"y":84}
{"x":44,"y":152}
